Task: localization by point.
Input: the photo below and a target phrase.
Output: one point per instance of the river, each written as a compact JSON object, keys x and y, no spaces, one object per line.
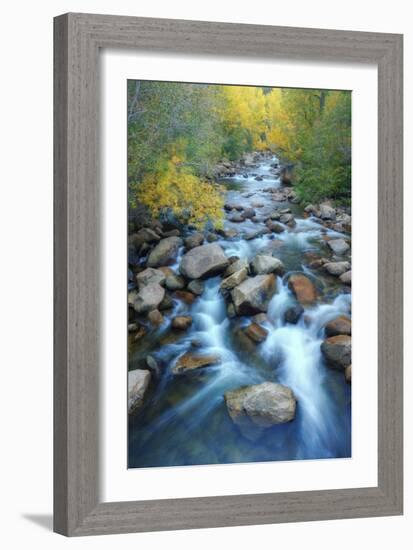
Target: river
{"x":185,"y":420}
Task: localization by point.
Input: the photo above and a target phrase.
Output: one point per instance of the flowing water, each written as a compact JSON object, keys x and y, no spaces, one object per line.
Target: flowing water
{"x":185,"y":420}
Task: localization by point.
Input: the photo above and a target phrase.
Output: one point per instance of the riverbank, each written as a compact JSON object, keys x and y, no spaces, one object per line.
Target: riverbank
{"x":242,"y":336}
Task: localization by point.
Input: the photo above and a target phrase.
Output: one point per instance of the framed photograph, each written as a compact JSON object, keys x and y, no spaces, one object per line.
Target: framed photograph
{"x":228,"y":274}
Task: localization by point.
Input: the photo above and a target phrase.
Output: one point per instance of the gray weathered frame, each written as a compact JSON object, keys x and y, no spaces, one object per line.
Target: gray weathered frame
{"x":78,"y":39}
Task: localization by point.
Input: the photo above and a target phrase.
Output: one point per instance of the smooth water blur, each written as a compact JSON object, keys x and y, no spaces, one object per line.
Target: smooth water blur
{"x":185,"y":420}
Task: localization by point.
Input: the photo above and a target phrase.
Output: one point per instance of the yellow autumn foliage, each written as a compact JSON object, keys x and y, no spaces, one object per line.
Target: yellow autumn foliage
{"x":192,"y":200}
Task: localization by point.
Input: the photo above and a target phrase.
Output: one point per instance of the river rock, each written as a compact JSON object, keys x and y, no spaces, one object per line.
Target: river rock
{"x":346,"y":278}
{"x":347,"y":374}
{"x":327,"y":212}
{"x":254,"y":234}
{"x":303,"y":289}
{"x":196,"y":287}
{"x":293,"y":314}
{"x":155,"y":317}
{"x":138,"y":382}
{"x":236,"y":217}
{"x":339,"y":325}
{"x":256,"y":333}
{"x":189,"y":362}
{"x":167,"y":303}
{"x":337,"y":351}
{"x":274,"y":226}
{"x":145,"y":235}
{"x":164,"y":252}
{"x":253,"y":409}
{"x":238,"y":264}
{"x":203,"y":261}
{"x":254,"y":294}
{"x":149,"y":276}
{"x":338,"y":246}
{"x":234,"y":280}
{"x":182,"y":322}
{"x":173,"y":281}
{"x":337,"y":268}
{"x":196,"y":239}
{"x":263,"y":264}
{"x":288,"y":219}
{"x":248,"y":213}
{"x":185,"y":296}
{"x":148,"y":298}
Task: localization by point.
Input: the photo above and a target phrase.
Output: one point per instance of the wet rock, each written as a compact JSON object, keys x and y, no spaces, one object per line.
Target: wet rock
{"x":133,"y":327}
{"x":196,"y":239}
{"x":149,"y":276}
{"x":347,"y":374}
{"x":256,"y":333}
{"x":144,"y":235}
{"x":191,"y":361}
{"x":148,"y":298}
{"x":327,"y":212}
{"x":153,"y":365}
{"x":303,"y":289}
{"x":140,"y":333}
{"x":172,"y":233}
{"x":337,"y":351}
{"x":165,"y":252}
{"x":167,"y":303}
{"x":274,"y":227}
{"x":155,"y":317}
{"x":310,"y":209}
{"x":253,"y":409}
{"x":203,"y":261}
{"x":274,"y":216}
{"x":260,"y":318}
{"x":346,"y":278}
{"x":173,"y":281}
{"x":196,"y":287}
{"x":138,"y":382}
{"x":228,"y":206}
{"x":211,"y":237}
{"x":257,"y":204}
{"x":185,"y":296}
{"x":254,"y":234}
{"x":337,"y":268}
{"x":238,"y":264}
{"x":293,"y":314}
{"x":338,"y":246}
{"x":254,"y":294}
{"x":258,"y":178}
{"x":182,"y":322}
{"x":132,"y":295}
{"x":228,"y":233}
{"x":263,"y":264}
{"x":236,"y":217}
{"x":234,"y":280}
{"x":231,"y":313}
{"x":248,"y":213}
{"x":339,"y":325}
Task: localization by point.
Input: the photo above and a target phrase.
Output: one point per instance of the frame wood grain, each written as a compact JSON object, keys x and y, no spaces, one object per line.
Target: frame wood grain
{"x":78,"y":39}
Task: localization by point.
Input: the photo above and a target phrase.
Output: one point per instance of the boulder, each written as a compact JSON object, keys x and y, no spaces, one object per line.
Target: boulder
{"x":149,"y":276}
{"x":144,"y":235}
{"x":248,"y":213}
{"x":173,"y":281}
{"x":339,"y":325}
{"x":148,"y":298}
{"x":337,"y":268}
{"x":155,"y":317}
{"x":347,"y":374}
{"x":203,"y":261}
{"x":254,"y":294}
{"x":237,"y":265}
{"x":196,"y":239}
{"x":185,"y":296}
{"x":274,"y":227}
{"x":337,"y":351}
{"x":236,"y":217}
{"x":303,"y":289}
{"x":196,"y":287}
{"x":345,"y":278}
{"x":338,"y":246}
{"x":172,"y":233}
{"x":254,"y":234}
{"x":189,"y":362}
{"x":165,"y":252}
{"x":256,"y":333}
{"x":138,"y":382}
{"x":327,"y":212}
{"x":263,"y":264}
{"x":235,"y":279}
{"x":288,"y":219}
{"x":293,"y":314}
{"x":182,"y":322}
{"x":253,"y":409}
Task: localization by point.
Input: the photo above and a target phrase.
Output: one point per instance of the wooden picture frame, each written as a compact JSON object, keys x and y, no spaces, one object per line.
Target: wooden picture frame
{"x":78,"y":39}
